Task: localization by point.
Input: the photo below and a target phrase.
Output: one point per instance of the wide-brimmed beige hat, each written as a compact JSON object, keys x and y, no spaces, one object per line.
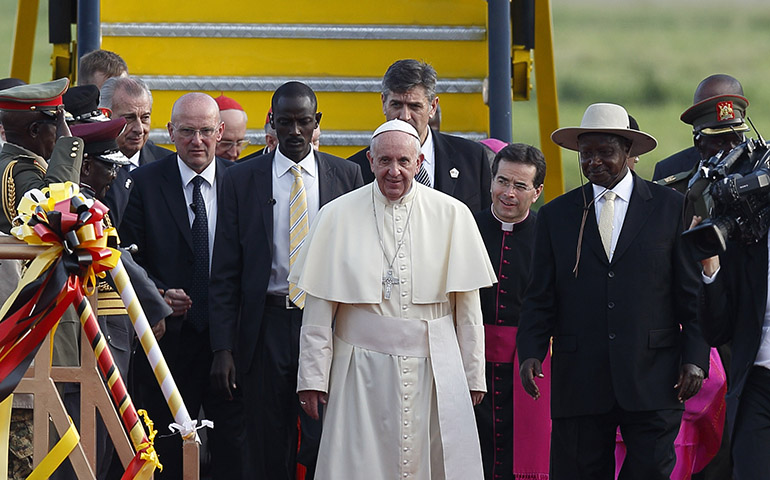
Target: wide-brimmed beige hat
{"x":605,"y":118}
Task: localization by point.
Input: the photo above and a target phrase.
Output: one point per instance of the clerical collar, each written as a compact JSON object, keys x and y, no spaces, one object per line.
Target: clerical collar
{"x":623,"y":189}
{"x":508,"y":226}
{"x":405,"y":199}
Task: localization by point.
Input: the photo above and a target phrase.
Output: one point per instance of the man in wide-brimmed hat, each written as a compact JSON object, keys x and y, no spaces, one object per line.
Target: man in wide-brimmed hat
{"x":619,"y":358}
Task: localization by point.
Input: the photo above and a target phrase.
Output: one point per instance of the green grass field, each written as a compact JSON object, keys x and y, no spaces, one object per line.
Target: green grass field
{"x":648,"y":55}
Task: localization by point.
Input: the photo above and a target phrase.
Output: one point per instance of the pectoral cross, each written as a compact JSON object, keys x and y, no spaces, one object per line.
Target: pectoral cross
{"x":388,"y":281}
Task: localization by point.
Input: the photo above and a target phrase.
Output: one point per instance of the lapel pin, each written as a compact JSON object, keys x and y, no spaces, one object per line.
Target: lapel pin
{"x":128,"y":183}
{"x":454,"y":173}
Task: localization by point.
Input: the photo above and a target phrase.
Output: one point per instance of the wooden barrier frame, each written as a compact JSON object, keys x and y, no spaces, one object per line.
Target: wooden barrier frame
{"x":40,"y":381}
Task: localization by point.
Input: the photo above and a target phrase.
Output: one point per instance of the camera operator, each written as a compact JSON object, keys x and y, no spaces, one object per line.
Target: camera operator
{"x":735,"y":308}
{"x":716,"y":116}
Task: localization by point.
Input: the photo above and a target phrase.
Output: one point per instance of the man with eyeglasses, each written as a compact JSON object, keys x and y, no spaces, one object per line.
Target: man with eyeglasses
{"x":39,"y":148}
{"x":514,"y":430}
{"x":234,"y":138}
{"x":171,"y":216}
{"x":130,"y":98}
{"x":619,"y":359}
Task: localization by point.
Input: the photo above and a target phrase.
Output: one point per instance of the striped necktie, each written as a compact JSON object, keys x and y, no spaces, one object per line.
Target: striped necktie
{"x":422,"y":175}
{"x":298,"y":228}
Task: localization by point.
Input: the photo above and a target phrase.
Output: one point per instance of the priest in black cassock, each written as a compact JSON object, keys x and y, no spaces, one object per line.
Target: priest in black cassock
{"x":514,"y":429}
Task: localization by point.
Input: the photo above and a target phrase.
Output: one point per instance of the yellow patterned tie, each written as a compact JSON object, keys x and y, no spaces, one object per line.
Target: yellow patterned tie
{"x":606,"y":221}
{"x":298,"y":228}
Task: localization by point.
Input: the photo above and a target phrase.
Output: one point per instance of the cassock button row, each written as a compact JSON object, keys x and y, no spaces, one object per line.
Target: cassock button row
{"x":403,"y":294}
{"x":406,"y":423}
{"x":399,"y":230}
{"x":403,"y":267}
{"x":405,"y":462}
{"x":401,"y":255}
{"x":406,"y":370}
{"x":398,"y":218}
{"x":404,"y":307}
{"x":406,"y":409}
{"x":406,"y":436}
{"x":406,"y":397}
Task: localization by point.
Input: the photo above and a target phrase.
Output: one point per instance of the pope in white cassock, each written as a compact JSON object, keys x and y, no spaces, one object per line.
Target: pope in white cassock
{"x":392,"y":338}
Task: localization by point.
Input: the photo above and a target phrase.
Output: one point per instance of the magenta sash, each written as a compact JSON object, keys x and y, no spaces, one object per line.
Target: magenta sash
{"x":531,"y":418}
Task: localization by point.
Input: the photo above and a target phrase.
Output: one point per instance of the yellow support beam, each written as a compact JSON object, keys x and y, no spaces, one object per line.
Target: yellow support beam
{"x":24,"y":39}
{"x":547,"y":100}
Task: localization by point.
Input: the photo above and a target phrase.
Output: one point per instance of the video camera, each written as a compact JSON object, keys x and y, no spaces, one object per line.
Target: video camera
{"x":738,"y":184}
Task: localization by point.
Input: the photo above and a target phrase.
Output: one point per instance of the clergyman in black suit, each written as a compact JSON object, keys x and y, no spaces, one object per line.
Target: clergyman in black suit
{"x":255,"y":314}
{"x":453,"y":165}
{"x":130,"y":98}
{"x":171,"y":217}
{"x":615,"y":289}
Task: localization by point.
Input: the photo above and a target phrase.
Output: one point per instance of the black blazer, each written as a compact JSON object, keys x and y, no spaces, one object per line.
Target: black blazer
{"x":156,"y":220}
{"x":733,"y":310}
{"x":117,"y":196}
{"x":243,"y":249}
{"x":682,"y":161}
{"x":616,"y":327}
{"x":472,"y":185}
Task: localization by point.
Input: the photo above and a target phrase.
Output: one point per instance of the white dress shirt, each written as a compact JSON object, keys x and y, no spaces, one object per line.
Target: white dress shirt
{"x":209,"y":192}
{"x":623,"y":190}
{"x":429,"y":152}
{"x":282,"y":182}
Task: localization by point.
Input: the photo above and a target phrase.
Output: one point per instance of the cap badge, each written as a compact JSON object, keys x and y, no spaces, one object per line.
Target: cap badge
{"x":725,"y":111}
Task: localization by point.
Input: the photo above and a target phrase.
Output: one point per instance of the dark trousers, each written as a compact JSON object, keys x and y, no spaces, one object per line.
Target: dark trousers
{"x":269,"y":390}
{"x":751,"y":434}
{"x":583,"y":448}
{"x":189,"y":357}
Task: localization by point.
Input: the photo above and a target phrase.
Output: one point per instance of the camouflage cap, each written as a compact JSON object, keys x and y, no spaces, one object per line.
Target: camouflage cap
{"x":717,"y":115}
{"x":34,"y":97}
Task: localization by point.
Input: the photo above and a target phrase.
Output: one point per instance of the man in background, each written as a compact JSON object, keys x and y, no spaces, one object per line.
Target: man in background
{"x":97,"y":66}
{"x":453,"y":165}
{"x":129,"y":97}
{"x":234,"y":138}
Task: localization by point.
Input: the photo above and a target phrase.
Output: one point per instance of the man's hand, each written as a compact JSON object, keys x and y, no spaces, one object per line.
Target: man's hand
{"x":690,"y":381}
{"x":62,"y":129}
{"x":222,"y":374}
{"x":159,"y":329}
{"x":476,"y":397}
{"x":179,"y":301}
{"x":709,"y":265}
{"x":531,"y":368}
{"x":309,"y":400}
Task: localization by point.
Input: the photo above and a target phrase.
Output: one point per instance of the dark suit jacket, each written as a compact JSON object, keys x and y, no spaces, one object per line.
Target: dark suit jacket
{"x":156,"y":221}
{"x":733,"y":310}
{"x":243,"y":249}
{"x":616,"y":327}
{"x":120,"y":189}
{"x":471,"y":186}
{"x":683,"y":161}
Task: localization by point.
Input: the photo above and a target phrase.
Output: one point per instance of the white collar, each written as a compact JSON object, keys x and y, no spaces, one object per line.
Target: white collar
{"x":427,"y":148}
{"x":283,"y":164}
{"x":623,"y":189}
{"x":507,"y":226}
{"x":187,"y":173}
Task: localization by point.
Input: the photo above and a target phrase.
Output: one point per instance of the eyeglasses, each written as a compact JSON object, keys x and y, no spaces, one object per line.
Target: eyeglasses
{"x":228,"y":144}
{"x":112,"y":168}
{"x":186,"y":132}
{"x":518,"y":186}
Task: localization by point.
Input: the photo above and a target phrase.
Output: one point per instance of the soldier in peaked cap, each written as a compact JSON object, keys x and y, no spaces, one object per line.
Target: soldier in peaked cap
{"x":82,"y":105}
{"x":717,"y":118}
{"x":101,"y":159}
{"x":32,"y":157}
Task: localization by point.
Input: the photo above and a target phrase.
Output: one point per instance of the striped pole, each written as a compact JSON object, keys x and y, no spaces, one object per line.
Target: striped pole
{"x":110,"y":371}
{"x":152,"y":350}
